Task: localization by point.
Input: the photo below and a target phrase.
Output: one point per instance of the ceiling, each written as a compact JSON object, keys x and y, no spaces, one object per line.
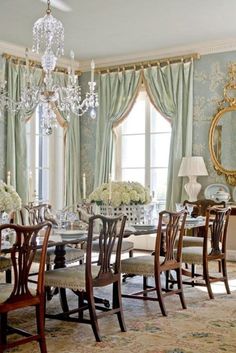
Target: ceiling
{"x":116,"y":30}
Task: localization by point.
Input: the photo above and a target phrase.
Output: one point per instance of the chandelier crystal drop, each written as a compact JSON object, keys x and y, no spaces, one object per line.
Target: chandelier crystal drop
{"x":48,"y":41}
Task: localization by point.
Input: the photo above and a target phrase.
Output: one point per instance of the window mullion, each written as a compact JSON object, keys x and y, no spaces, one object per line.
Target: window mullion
{"x":147,"y":142}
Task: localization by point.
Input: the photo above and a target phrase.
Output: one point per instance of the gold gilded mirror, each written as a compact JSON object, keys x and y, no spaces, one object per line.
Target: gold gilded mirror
{"x":222,"y":135}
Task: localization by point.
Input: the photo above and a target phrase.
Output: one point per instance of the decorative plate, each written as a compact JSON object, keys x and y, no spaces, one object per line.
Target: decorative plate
{"x":211,"y":189}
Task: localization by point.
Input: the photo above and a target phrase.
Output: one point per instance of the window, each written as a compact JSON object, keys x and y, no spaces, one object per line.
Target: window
{"x":142,"y":149}
{"x":45,"y":161}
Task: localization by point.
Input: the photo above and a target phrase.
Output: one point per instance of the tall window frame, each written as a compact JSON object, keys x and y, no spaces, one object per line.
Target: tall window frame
{"x":45,"y":162}
{"x":152,"y":135}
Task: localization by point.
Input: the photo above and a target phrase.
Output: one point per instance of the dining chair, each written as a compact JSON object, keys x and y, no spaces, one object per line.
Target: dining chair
{"x":170,"y":230}
{"x":213,"y":249}
{"x":85,"y":279}
{"x":85,"y":212}
{"x":36,"y":214}
{"x":199,"y":209}
{"x":19,"y":294}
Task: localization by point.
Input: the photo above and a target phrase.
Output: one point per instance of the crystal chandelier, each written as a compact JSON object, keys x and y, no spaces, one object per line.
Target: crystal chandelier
{"x":48,"y":41}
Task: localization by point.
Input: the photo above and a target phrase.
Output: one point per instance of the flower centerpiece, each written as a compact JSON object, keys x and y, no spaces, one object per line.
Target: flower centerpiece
{"x":9,"y":199}
{"x":122,"y":196}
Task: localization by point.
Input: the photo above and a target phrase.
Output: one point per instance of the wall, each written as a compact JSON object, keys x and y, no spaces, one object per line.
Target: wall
{"x":210,"y":76}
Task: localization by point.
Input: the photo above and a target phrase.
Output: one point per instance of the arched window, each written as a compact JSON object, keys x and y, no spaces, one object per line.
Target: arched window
{"x":142,"y":149}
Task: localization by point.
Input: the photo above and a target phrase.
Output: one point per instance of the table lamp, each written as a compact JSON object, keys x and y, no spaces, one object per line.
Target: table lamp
{"x":192,"y":167}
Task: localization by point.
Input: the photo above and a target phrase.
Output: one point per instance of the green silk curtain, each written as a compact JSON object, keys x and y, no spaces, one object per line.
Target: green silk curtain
{"x":117,"y":92}
{"x":16,"y":151}
{"x":72,"y":151}
{"x":170,"y":89}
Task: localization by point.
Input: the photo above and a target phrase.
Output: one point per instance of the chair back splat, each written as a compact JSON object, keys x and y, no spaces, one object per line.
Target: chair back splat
{"x":108,"y":235}
{"x":18,"y":294}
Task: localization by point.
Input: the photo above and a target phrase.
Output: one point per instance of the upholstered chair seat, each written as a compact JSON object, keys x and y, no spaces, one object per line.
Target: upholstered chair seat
{"x":5,"y":263}
{"x":140,"y":265}
{"x":72,"y":255}
{"x":72,"y":277}
{"x":6,"y":290}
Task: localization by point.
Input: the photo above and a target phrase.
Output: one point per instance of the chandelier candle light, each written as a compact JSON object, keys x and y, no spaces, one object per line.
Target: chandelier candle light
{"x":48,"y":40}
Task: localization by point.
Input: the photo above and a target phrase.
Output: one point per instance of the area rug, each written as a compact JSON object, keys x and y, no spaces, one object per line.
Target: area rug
{"x":206,"y":326}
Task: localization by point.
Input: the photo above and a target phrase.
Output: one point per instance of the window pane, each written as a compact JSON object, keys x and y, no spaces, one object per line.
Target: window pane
{"x":135,"y":121}
{"x":158,"y":123}
{"x":159,"y":183}
{"x":45,"y":151}
{"x":43,"y":184}
{"x":160,"y":147}
{"x":134,"y":175}
{"x":133,"y":151}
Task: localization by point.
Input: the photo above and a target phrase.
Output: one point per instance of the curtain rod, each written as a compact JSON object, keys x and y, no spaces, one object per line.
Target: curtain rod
{"x":142,"y":64}
{"x":34,"y":63}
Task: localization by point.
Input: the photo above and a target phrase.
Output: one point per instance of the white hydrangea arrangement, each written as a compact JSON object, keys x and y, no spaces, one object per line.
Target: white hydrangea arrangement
{"x":122,"y":193}
{"x":9,"y":199}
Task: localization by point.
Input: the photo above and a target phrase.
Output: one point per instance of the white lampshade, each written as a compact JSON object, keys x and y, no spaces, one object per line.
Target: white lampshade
{"x":192,"y":166}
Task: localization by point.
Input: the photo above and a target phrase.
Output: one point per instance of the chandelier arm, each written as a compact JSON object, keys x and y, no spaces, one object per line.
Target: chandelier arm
{"x":61,"y":121}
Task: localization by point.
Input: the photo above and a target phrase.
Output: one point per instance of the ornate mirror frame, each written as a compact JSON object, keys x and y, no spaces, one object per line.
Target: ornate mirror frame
{"x":227,"y":104}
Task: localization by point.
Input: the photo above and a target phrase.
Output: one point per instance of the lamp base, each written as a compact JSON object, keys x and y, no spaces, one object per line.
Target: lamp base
{"x":192,"y":188}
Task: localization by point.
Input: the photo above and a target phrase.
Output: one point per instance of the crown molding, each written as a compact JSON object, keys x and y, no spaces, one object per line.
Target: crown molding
{"x":203,"y":48}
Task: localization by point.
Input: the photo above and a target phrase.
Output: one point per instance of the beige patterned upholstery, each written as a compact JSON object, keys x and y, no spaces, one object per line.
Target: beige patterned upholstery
{"x":69,"y":277}
{"x":5,"y":263}
{"x":192,"y":255}
{"x":140,"y":265}
{"x":192,"y":241}
{"x":72,"y":255}
{"x":6,"y":290}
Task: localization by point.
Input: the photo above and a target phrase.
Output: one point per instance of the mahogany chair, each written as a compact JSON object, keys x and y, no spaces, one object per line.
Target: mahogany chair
{"x":83,"y":280}
{"x":170,"y":231}
{"x":199,"y":209}
{"x":85,"y":212}
{"x":211,"y":251}
{"x":19,"y":295}
{"x":32,"y":215}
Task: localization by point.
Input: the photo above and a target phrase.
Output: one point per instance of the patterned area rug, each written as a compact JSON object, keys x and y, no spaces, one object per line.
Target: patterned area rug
{"x":207,"y":326}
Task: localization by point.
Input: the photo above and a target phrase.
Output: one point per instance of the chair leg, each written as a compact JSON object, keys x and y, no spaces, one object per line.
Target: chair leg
{"x":192,"y":273}
{"x":81,"y":303}
{"x":117,"y":303}
{"x":8,"y":276}
{"x":224,"y":271}
{"x":167,"y":273}
{"x":3,"y":331}
{"x":93,"y":317}
{"x":40,"y":327}
{"x":145,"y":285}
{"x":159,"y":294}
{"x":131,"y":253}
{"x":206,"y":277}
{"x":63,"y":300}
{"x":180,"y":286}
